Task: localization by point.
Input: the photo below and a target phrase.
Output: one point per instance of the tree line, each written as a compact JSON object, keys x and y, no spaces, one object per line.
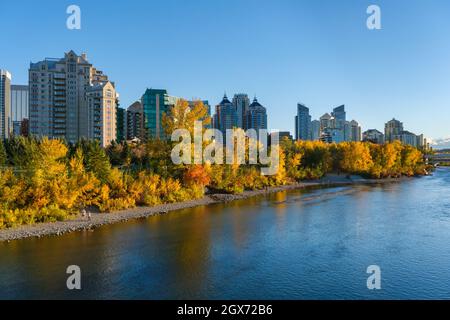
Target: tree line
{"x":46,"y":180}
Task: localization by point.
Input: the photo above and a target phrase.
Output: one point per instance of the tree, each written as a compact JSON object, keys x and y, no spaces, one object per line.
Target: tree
{"x":95,"y":159}
{"x":182,"y":116}
{"x":3,"y":155}
{"x":85,"y":185}
{"x":356,"y":157}
{"x":22,"y":152}
{"x":412,"y":161}
{"x":196,"y":174}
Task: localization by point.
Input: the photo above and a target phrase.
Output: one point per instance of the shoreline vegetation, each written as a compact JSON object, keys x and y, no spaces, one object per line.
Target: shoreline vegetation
{"x":51,"y":181}
{"x":80,"y":223}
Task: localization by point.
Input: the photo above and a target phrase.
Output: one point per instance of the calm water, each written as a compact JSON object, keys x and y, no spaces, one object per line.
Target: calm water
{"x":295,"y":245}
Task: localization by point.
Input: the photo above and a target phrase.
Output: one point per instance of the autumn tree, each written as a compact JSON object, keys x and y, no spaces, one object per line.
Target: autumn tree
{"x":356,"y":157}
{"x":197,"y":174}
{"x":183,"y":116}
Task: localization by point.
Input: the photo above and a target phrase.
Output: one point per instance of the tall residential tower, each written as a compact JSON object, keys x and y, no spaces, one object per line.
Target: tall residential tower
{"x":155,"y":103}
{"x":19,"y":107}
{"x":5,"y":104}
{"x":241,"y":102}
{"x":58,"y":101}
{"x":255,"y":117}
{"x":302,"y":123}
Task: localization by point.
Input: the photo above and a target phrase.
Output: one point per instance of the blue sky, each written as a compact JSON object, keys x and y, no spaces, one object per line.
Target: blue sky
{"x":318,"y":52}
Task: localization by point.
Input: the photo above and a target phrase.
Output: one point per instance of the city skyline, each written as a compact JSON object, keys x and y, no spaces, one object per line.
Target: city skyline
{"x":377,"y":79}
{"x":330,"y":127}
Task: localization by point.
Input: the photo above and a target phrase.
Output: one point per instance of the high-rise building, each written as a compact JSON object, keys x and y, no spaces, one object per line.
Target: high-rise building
{"x":255,"y":117}
{"x":101,"y":115}
{"x":226,"y":116}
{"x":392,"y":129}
{"x":302,"y":123}
{"x":121,"y":124}
{"x":241,"y":102}
{"x":155,"y":103}
{"x":410,"y":138}
{"x":421,"y":141}
{"x":347,"y":130}
{"x":58,"y":103}
{"x":5,"y":104}
{"x":374,"y":136}
{"x":332,"y":135}
{"x":19,"y":107}
{"x":315,"y":130}
{"x":135,"y":121}
{"x":335,"y":128}
{"x":339,"y":116}
{"x":355,"y":131}
{"x":326,"y":121}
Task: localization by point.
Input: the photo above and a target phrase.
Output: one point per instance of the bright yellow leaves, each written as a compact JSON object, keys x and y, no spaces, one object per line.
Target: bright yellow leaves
{"x":46,"y":180}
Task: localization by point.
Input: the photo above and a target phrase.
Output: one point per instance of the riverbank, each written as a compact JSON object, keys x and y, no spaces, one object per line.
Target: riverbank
{"x":97,"y":220}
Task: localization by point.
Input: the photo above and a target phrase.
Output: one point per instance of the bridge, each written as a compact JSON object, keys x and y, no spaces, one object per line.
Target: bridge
{"x":438,"y":158}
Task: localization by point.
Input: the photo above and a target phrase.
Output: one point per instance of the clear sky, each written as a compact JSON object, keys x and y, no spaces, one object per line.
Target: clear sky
{"x":317,"y":52}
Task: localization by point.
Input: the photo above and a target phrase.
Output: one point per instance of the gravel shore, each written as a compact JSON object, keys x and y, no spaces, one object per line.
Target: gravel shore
{"x":79,"y":223}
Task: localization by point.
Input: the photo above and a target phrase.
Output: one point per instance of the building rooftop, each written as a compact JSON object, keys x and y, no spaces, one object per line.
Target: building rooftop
{"x":255,"y":104}
{"x":225,"y":100}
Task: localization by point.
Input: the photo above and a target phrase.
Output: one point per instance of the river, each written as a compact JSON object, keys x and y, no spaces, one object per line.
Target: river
{"x":314,"y":244}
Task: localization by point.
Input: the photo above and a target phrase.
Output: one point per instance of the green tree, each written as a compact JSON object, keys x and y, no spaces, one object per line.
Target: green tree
{"x":3,"y":155}
{"x":95,"y":159}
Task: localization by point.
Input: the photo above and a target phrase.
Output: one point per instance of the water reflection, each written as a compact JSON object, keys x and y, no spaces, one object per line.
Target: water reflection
{"x":292,"y":245}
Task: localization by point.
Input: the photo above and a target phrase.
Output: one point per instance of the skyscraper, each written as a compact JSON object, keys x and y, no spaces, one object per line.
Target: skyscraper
{"x":315,"y":130}
{"x":155,"y":103}
{"x":347,"y":130}
{"x":101,"y":115}
{"x":394,"y":131}
{"x":335,"y":128}
{"x":241,"y":103}
{"x":339,"y":116}
{"x":255,"y":117}
{"x":302,"y":123}
{"x":355,"y":131}
{"x":391,"y":129}
{"x":325,"y":121}
{"x":58,"y":104}
{"x":226,"y":116}
{"x":5,"y":104}
{"x":19,"y":107}
{"x":121,"y":124}
{"x":135,"y":121}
